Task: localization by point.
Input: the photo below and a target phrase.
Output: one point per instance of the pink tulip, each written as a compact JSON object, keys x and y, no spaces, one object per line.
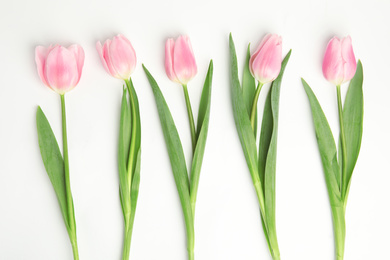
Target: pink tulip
{"x":339,"y":64}
{"x":118,"y":57}
{"x":180,"y":64}
{"x":58,"y":67}
{"x":266,"y":62}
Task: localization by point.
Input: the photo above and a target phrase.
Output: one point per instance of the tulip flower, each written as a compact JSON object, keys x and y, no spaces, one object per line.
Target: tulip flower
{"x":266,"y":62}
{"x":265,"y":65}
{"x":118,"y":57}
{"x":180,"y":64}
{"x":119,"y":60}
{"x":339,"y":64}
{"x":58,"y":67}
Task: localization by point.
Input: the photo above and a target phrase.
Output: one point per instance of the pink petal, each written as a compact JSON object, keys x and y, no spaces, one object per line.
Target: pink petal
{"x":107,"y":58}
{"x":266,"y":63}
{"x":184,"y":63}
{"x":349,"y":58}
{"x":169,"y":49}
{"x":99,"y":49}
{"x":122,"y":56}
{"x":40,"y":59}
{"x":333,"y":64}
{"x":79,"y":56}
{"x":61,"y":70}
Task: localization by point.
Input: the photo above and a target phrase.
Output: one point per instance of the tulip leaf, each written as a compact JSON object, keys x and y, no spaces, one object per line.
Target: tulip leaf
{"x":270,"y":165}
{"x":353,"y":121}
{"x":202,"y":125}
{"x":175,"y":152}
{"x":135,"y":188}
{"x":137,"y":121}
{"x":326,"y":146}
{"x":241,"y":117}
{"x":124,"y":147}
{"x":53,"y":161}
{"x":249,"y":87}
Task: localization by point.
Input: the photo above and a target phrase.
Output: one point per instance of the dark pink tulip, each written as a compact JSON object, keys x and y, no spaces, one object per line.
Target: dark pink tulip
{"x":339,"y":64}
{"x":180,"y":64}
{"x":58,"y":67}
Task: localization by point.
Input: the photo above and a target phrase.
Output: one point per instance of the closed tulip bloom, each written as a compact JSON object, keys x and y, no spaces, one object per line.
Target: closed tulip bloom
{"x":118,"y":57}
{"x":58,"y":67}
{"x":266,"y":62}
{"x":339,"y":64}
{"x":180,"y":64}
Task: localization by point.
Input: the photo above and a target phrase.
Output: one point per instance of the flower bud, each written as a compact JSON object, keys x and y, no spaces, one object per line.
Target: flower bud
{"x":180,"y":64}
{"x":58,"y":67}
{"x":266,"y":62}
{"x":339,"y":64}
{"x":118,"y":57}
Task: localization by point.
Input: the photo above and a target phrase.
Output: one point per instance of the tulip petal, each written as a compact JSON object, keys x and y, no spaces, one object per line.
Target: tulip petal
{"x":61,"y":70}
{"x":184,"y":63}
{"x":79,"y":56}
{"x":267,"y":62}
{"x":169,"y":50}
{"x":333,"y":64}
{"x":40,"y":59}
{"x":349,"y":58}
{"x":122,"y":56}
{"x":99,"y":48}
{"x":107,"y":58}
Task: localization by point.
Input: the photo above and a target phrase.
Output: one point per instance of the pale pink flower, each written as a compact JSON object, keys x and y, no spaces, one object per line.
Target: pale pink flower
{"x":58,"y":67}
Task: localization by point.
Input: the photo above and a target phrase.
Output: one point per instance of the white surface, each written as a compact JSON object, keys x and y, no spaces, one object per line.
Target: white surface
{"x":227,"y":215}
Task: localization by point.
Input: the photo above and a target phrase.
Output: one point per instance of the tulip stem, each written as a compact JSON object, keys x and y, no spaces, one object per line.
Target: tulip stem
{"x":254,"y":105}
{"x":71,"y":219}
{"x":343,"y":183}
{"x":190,"y":117}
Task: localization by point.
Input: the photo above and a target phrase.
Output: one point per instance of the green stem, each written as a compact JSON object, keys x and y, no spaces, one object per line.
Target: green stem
{"x":131,"y":166}
{"x":343,"y":145}
{"x":72,"y":221}
{"x":338,"y":215}
{"x":190,"y":117}
{"x":126,"y":243}
{"x":254,"y":105}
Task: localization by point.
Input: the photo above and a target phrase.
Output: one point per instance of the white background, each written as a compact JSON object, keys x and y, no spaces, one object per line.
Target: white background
{"x":227,"y":214}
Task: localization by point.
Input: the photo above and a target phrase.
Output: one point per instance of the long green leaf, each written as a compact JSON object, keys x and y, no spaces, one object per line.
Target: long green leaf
{"x":326,"y":147}
{"x":353,"y":121}
{"x":124,"y":146}
{"x":241,"y":117}
{"x":135,"y":188}
{"x":176,"y":155}
{"x":270,"y":166}
{"x":53,"y":161}
{"x":202,"y":125}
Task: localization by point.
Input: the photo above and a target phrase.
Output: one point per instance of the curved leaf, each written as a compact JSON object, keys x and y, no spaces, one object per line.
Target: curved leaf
{"x":53,"y":161}
{"x":203,"y":125}
{"x":176,"y":155}
{"x":326,"y":146}
{"x":270,"y":166}
{"x":353,"y":121}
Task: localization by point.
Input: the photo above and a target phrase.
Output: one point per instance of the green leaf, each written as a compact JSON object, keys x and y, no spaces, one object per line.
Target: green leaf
{"x":353,"y":121}
{"x":176,"y":155}
{"x":203,"y":124}
{"x":249,"y":87}
{"x":241,"y":118}
{"x":270,"y":166}
{"x":135,"y":188}
{"x":124,"y":147}
{"x":53,"y":161}
{"x":327,"y":147}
